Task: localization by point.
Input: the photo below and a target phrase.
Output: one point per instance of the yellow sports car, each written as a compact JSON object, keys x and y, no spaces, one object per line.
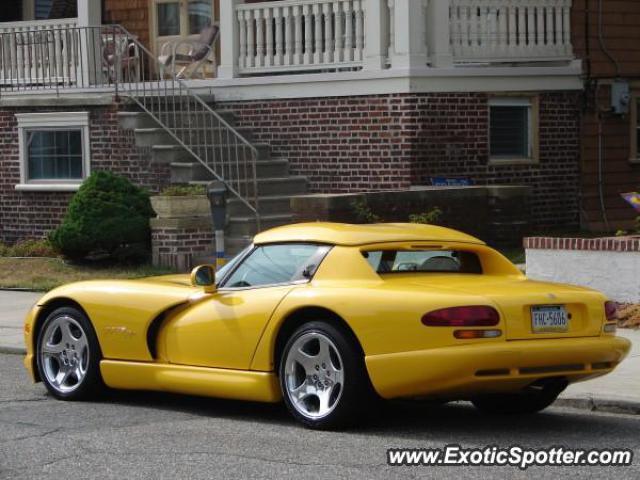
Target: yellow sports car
{"x":327,"y":317}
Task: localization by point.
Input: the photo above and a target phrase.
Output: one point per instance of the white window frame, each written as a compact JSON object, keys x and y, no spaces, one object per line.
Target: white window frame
{"x":52,"y":121}
{"x":532,"y":135}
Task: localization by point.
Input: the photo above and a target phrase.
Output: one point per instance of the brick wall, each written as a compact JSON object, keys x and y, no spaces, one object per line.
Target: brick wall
{"x":350,"y":144}
{"x":182,"y":248}
{"x":33,"y":214}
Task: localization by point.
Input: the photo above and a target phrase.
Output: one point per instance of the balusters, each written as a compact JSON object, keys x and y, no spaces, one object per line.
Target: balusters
{"x":338,"y":53}
{"x":348,"y":41}
{"x":242,"y":61}
{"x":298,"y":20}
{"x":359,"y":30}
{"x":392,"y":28}
{"x":317,"y":33}
{"x":277,"y":15}
{"x":327,"y":12}
{"x":540,"y":28}
{"x":251,"y":42}
{"x":566,"y":27}
{"x":268,"y":18}
{"x":260,"y":41}
{"x":308,"y":35}
{"x":288,"y":36}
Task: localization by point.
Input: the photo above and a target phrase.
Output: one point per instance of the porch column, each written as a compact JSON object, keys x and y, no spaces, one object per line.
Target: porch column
{"x":89,"y":15}
{"x":439,"y":33}
{"x":377,"y":34}
{"x":229,"y":39}
{"x":410,"y":46}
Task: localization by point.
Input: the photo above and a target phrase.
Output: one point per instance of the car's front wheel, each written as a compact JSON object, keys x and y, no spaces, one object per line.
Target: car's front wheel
{"x":532,"y":400}
{"x":68,"y":355}
{"x":323,"y":378}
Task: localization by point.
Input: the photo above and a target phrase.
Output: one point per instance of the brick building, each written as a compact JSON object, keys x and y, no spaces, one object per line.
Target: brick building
{"x":327,"y":96}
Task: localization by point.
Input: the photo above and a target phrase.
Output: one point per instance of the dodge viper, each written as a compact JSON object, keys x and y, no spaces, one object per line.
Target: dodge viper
{"x":328,"y":317}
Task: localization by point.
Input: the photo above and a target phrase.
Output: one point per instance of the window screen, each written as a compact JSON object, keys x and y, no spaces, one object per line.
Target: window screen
{"x":54,"y":154}
{"x":510,"y":131}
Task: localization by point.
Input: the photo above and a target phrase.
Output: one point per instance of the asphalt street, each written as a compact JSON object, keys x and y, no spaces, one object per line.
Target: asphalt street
{"x":158,"y":436}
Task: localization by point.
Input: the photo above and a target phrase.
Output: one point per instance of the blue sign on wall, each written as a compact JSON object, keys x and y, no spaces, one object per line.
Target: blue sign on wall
{"x":450,"y":182}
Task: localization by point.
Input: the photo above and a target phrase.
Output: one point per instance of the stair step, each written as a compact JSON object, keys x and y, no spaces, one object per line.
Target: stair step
{"x":193,"y":119}
{"x":133,"y":120}
{"x":240,"y":226}
{"x":149,"y":137}
{"x":274,"y":186}
{"x":185,"y":172}
{"x":172,"y":153}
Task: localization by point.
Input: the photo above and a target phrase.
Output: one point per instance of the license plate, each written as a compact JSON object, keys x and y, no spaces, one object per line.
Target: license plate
{"x":549,"y":318}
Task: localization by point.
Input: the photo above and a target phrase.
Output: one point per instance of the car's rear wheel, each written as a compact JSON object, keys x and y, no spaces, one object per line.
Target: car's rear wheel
{"x":68,"y":355}
{"x":323,"y":378}
{"x":534,"y":399}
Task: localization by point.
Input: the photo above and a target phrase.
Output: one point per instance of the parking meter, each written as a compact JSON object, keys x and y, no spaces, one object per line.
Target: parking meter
{"x":217,"y":193}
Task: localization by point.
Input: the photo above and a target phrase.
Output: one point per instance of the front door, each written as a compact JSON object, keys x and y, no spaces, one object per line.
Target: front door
{"x":175,"y":20}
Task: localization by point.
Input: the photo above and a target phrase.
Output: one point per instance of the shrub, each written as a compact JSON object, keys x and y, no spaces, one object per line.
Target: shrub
{"x":363,"y":212}
{"x":183,"y":190}
{"x":31,"y":248}
{"x":108,"y":216}
{"x":428,"y":218}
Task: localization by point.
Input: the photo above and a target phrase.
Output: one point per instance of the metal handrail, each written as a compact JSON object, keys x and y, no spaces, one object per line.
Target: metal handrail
{"x":108,"y":57}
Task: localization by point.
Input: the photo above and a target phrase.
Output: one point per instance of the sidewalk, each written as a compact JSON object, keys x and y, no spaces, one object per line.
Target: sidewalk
{"x":618,"y":391}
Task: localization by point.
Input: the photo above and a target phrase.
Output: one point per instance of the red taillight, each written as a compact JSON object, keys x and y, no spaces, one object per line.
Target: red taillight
{"x":475,"y":316}
{"x":611,"y":311}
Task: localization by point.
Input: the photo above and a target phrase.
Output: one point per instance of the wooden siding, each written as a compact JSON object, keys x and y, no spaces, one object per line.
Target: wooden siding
{"x":621,"y":35}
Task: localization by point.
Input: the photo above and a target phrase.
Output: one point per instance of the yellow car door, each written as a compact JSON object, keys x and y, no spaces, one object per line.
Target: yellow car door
{"x":223,"y":330}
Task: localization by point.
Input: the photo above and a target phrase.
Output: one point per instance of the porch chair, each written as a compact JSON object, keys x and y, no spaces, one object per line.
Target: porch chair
{"x":199,"y":53}
{"x":120,"y":58}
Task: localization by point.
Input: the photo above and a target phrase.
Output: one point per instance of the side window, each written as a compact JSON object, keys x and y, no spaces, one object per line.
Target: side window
{"x":276,"y":264}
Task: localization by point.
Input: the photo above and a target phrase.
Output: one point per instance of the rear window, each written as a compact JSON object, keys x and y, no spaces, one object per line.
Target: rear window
{"x":426,"y":261}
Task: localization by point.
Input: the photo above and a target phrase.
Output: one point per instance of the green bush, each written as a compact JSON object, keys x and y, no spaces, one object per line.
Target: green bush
{"x":29,"y":248}
{"x":183,"y":190}
{"x":107,"y":217}
{"x":363,"y":212}
{"x":427,"y":218}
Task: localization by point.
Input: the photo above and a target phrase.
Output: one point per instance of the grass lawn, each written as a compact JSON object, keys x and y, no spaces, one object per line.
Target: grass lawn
{"x":43,"y":274}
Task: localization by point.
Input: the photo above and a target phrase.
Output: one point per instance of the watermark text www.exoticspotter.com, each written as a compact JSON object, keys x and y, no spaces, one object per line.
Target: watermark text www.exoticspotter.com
{"x":515,"y":456}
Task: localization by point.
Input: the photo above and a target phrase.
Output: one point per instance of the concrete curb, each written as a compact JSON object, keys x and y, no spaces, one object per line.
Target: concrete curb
{"x":11,"y":350}
{"x":606,"y":405}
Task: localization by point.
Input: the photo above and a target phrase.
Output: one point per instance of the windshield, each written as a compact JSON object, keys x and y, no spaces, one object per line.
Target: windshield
{"x":223,"y":271}
{"x":426,"y":261}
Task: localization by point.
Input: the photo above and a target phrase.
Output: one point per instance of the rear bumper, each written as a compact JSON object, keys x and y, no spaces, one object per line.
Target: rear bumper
{"x":461,"y":371}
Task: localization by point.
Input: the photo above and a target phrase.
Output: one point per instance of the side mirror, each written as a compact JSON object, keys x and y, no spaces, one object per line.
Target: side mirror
{"x":204,"y":276}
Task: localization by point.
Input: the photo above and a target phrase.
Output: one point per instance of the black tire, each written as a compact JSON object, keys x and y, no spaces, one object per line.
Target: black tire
{"x":90,"y":384}
{"x":355,"y":393}
{"x":530,"y":401}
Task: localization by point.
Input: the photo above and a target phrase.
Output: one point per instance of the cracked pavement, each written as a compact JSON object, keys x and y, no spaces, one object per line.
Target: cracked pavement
{"x":135,"y":435}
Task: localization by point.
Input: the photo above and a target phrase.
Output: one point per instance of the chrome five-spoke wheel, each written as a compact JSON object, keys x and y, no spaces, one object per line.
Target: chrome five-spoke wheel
{"x":314,"y":375}
{"x":68,"y":355}
{"x":64,"y":354}
{"x":323,"y":378}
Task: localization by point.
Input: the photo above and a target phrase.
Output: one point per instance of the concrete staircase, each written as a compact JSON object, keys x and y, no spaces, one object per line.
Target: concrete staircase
{"x":275,"y":185}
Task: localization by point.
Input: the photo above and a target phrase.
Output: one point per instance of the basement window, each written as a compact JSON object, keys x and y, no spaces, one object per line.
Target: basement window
{"x":54,"y":150}
{"x":512,"y":130}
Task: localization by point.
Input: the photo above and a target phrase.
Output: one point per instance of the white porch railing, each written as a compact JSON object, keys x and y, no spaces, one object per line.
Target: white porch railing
{"x":39,"y":52}
{"x":510,"y":30}
{"x":300,"y":35}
